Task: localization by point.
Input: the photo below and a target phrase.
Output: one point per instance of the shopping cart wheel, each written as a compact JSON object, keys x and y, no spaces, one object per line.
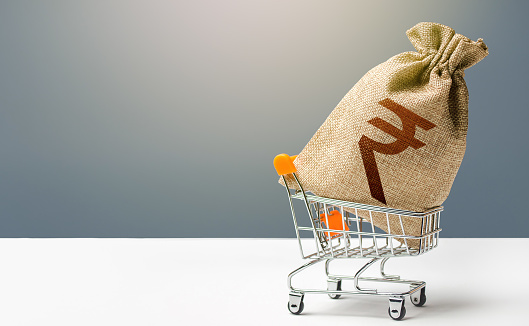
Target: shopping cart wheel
{"x":396,"y":310}
{"x":295,"y":303}
{"x":419,"y":299}
{"x":298,"y":309}
{"x":334,"y":285}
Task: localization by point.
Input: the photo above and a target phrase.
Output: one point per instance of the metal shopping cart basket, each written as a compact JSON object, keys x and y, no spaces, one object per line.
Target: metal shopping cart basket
{"x":344,"y":230}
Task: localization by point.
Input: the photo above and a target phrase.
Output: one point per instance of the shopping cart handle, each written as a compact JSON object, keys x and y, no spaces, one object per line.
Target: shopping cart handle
{"x":284,"y":164}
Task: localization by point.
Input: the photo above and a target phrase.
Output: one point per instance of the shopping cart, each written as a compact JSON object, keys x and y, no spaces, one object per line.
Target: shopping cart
{"x":339,"y":233}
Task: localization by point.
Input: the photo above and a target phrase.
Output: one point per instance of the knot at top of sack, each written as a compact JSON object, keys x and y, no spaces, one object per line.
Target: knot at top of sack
{"x":441,"y":46}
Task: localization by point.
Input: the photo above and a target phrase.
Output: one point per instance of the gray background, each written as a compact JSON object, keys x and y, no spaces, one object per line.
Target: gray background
{"x":161,"y":118}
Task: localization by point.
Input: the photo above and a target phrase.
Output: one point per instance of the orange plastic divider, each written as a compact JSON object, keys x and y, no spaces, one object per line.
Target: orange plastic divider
{"x":284,"y":164}
{"x":335,"y":222}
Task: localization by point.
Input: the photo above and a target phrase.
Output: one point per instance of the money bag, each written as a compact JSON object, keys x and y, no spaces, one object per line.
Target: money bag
{"x":398,"y":136}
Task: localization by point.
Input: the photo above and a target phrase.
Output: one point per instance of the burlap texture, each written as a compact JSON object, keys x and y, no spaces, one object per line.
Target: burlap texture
{"x":416,"y":163}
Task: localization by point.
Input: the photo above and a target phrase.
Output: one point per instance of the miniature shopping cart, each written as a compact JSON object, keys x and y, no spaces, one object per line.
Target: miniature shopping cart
{"x":343,"y":230}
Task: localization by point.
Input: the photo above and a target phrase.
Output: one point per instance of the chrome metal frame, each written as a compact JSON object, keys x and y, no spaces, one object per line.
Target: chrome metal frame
{"x":354,"y":242}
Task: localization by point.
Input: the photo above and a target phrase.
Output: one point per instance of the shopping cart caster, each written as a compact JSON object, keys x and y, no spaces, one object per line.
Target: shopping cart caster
{"x":419,"y":298}
{"x":334,"y":285}
{"x":295,"y":303}
{"x":396,"y":309}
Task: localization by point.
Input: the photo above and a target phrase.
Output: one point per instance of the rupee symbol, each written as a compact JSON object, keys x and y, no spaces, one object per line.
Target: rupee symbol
{"x":404,"y":139}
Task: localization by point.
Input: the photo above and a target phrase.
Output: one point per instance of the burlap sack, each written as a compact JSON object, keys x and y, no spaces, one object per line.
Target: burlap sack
{"x":398,"y":136}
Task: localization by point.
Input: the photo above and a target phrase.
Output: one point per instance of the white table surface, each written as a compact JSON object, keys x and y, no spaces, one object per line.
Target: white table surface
{"x":243,"y":282}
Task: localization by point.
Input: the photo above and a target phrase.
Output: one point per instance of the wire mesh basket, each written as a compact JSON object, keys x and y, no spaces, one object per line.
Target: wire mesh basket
{"x":346,"y":230}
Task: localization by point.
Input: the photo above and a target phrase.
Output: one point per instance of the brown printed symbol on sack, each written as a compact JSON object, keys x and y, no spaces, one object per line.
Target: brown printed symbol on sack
{"x":405,"y":138}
